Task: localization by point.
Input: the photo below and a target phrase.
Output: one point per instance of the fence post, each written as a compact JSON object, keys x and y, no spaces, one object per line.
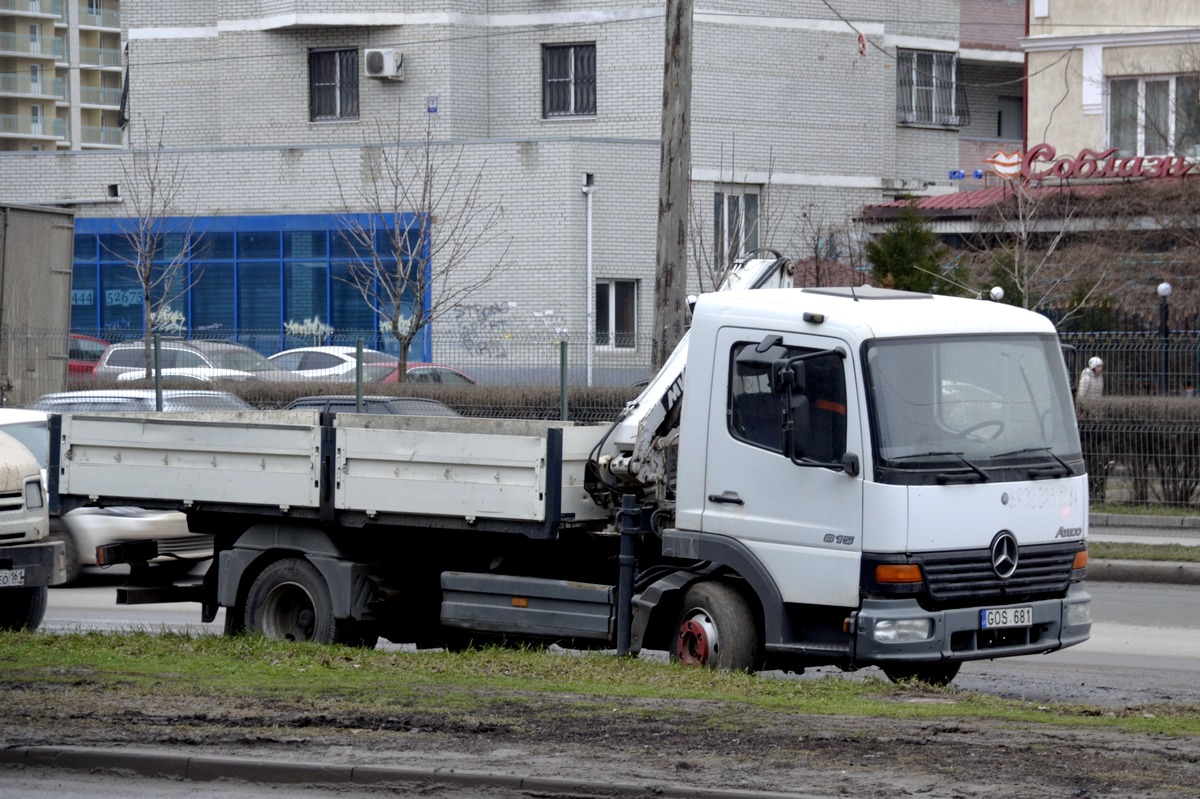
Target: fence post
{"x":358,"y":380}
{"x":158,"y":402}
{"x":562,"y":380}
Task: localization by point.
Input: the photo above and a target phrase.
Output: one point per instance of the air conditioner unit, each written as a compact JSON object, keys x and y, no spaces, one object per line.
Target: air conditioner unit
{"x":385,"y":63}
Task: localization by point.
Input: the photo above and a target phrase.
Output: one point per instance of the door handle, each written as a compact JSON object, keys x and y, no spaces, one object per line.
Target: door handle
{"x":726,"y":498}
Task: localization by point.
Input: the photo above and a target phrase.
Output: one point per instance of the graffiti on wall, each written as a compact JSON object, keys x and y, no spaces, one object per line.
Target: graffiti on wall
{"x":483,"y":328}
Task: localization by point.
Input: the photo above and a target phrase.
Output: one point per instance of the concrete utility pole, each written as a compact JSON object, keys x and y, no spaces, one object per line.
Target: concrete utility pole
{"x":670,"y":281}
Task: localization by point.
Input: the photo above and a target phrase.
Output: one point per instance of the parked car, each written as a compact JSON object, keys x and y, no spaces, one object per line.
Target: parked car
{"x":404,"y":406}
{"x":130,"y":356}
{"x":138,"y":400}
{"x":83,"y":353}
{"x":84,"y":529}
{"x":327,"y":363}
{"x":418,"y":373}
{"x":199,"y":374}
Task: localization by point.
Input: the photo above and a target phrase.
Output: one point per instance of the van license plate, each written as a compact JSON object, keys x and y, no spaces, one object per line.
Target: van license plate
{"x":997,"y":618}
{"x":10,"y":578}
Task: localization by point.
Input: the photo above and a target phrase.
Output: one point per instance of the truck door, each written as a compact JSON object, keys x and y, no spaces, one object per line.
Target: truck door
{"x":803,"y":522}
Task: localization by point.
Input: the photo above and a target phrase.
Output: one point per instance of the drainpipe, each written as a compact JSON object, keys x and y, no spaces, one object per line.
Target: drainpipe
{"x":589,"y":184}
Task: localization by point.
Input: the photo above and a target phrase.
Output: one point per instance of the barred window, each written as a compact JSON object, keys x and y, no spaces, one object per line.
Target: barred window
{"x":927,"y":91}
{"x":569,"y":80}
{"x":332,"y":85}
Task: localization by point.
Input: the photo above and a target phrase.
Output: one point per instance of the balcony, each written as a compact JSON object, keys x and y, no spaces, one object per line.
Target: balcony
{"x":100,"y":56}
{"x":25,"y":8}
{"x":101,"y":135}
{"x":99,"y":18}
{"x":20,"y":84}
{"x":27,"y":127}
{"x":25,"y":45}
{"x":100,"y":95}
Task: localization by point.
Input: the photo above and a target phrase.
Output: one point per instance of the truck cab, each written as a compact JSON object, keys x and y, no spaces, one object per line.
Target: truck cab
{"x":29,"y":561}
{"x":901,"y":468}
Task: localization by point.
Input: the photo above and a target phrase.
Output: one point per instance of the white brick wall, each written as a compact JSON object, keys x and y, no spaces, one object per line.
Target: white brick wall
{"x":775,"y":93}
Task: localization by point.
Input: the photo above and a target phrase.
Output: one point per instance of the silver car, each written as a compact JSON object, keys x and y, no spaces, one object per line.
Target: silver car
{"x":182,"y":356}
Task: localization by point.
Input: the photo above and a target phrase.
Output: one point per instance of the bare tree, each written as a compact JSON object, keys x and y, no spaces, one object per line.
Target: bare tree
{"x":157,"y":237}
{"x":1052,"y":247}
{"x":417,"y":243}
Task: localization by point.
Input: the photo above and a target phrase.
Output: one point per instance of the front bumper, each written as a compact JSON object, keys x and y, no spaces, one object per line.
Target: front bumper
{"x":956,"y":634}
{"x":43,"y":563}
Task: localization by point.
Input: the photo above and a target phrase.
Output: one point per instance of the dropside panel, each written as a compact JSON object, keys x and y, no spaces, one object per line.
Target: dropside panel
{"x":227,"y":458}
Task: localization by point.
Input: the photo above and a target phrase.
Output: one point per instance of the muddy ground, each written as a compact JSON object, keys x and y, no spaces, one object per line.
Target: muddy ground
{"x":640,"y":742}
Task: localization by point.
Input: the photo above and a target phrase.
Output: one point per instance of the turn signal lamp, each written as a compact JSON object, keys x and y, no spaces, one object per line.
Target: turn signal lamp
{"x":1081,"y":559}
{"x":898,"y":573}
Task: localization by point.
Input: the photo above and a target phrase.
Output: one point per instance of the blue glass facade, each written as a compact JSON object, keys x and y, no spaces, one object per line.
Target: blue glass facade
{"x":270,"y":282}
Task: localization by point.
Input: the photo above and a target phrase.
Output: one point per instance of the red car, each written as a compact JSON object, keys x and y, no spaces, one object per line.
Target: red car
{"x":83,"y":352}
{"x":419,"y":373}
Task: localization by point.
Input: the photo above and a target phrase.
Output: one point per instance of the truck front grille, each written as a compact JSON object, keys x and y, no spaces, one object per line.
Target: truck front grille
{"x":12,"y":500}
{"x":1042,"y":570}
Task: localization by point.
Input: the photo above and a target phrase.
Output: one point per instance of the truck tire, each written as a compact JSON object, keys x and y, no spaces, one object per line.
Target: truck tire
{"x":59,"y":532}
{"x":716,"y":629}
{"x":933,"y":673}
{"x":289,"y":601}
{"x":23,"y":608}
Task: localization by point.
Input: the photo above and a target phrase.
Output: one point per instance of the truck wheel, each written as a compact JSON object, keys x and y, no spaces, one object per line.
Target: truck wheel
{"x":22,"y":608}
{"x":289,"y":601}
{"x":716,"y":629}
{"x":59,"y":532}
{"x":932,"y":673}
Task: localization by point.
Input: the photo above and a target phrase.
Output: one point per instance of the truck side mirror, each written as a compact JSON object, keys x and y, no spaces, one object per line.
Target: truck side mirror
{"x":788,"y":373}
{"x":796,"y":426}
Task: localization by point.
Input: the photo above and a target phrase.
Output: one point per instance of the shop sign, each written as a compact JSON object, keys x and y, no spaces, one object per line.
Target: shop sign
{"x":1099,"y":164}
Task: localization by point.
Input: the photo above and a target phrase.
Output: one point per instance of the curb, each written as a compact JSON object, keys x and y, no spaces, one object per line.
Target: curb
{"x":1134,"y":520}
{"x":1143,"y":571}
{"x":148,"y":763}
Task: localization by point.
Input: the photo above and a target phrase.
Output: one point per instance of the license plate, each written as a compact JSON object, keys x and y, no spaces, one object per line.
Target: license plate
{"x":997,"y":618}
{"x":11,"y":577}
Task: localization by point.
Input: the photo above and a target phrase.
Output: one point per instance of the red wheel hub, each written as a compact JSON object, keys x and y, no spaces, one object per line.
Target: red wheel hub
{"x":692,"y":645}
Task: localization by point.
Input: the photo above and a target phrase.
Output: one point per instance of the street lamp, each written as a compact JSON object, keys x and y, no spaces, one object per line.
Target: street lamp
{"x":1164,"y":310}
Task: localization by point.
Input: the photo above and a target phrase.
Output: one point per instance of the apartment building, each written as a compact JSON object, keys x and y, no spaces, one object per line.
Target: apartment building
{"x":61,"y":68}
{"x":803,"y":111}
{"x":1108,"y":74}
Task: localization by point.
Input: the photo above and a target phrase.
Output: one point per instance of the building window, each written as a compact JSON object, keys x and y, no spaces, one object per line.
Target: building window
{"x":1155,"y":116}
{"x":927,"y":89}
{"x":1009,"y":118}
{"x":569,"y":80}
{"x":616,"y":313}
{"x":735,"y":224}
{"x":332,"y":84}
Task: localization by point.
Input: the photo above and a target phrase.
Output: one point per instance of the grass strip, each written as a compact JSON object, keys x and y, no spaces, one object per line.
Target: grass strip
{"x":485,"y":686}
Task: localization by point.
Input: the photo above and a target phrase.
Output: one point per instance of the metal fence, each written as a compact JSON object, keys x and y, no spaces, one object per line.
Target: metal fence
{"x":1141,"y":441}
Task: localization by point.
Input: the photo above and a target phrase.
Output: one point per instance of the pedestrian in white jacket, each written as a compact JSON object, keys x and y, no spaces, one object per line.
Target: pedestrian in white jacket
{"x":1091,"y":380}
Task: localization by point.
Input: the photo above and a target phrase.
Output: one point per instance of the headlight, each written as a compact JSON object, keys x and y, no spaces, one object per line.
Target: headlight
{"x":1079,"y":613}
{"x":895,"y":631}
{"x":33,"y":495}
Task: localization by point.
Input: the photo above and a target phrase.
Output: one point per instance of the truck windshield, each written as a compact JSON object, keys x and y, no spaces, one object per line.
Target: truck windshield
{"x":986,"y":399}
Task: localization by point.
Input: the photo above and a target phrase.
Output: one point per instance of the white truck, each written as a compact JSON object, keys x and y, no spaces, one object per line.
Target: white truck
{"x":29,"y":561}
{"x":839,"y":476}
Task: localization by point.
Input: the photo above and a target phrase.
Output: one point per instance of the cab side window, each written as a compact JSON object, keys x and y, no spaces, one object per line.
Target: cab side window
{"x":756,"y":411}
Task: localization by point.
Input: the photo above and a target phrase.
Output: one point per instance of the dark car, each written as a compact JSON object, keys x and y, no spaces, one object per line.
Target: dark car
{"x":404,"y":406}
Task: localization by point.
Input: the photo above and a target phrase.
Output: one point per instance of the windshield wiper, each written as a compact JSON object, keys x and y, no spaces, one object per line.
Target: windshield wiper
{"x":945,"y":478}
{"x":1035,"y":473}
